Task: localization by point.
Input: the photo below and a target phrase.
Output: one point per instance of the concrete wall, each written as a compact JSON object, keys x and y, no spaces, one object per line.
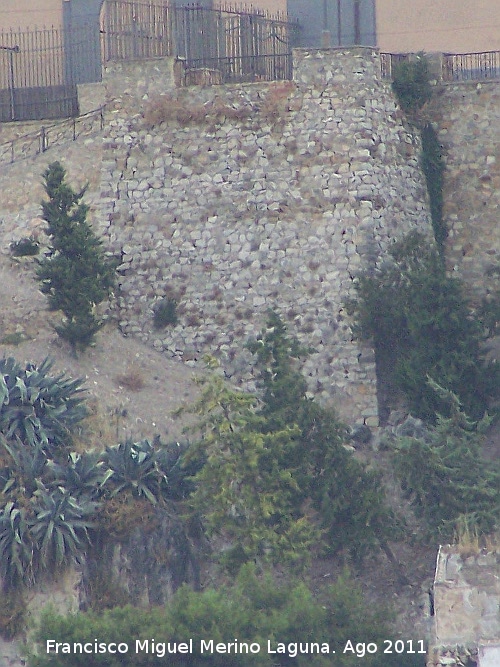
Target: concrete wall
{"x":276,"y":200}
{"x":452,"y":26}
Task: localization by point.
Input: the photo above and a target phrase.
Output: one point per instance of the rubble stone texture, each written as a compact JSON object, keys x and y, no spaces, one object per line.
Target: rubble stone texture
{"x":257,"y":196}
{"x":467,"y":116}
{"x":466,"y":609}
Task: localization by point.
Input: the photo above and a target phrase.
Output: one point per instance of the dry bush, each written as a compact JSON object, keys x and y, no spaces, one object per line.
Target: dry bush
{"x":100,"y":428}
{"x":277,"y":100}
{"x":121,"y":515}
{"x":470,"y":543}
{"x":178,"y":108}
{"x":132,"y":379}
{"x":105,"y":593}
{"x":12,"y":613}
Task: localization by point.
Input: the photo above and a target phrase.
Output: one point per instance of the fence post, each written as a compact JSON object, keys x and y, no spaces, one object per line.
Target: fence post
{"x":43,"y":139}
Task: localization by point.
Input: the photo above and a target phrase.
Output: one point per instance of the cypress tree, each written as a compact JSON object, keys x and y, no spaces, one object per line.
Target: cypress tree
{"x":75,"y":275}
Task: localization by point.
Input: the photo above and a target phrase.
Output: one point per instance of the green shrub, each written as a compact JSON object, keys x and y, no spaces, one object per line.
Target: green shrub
{"x":76,"y":275}
{"x":411,"y":83}
{"x":421,"y":326}
{"x":348,"y":498}
{"x":247,"y":489}
{"x":277,"y":482}
{"x":446,"y":478}
{"x":26,"y":247}
{"x":165,"y":313}
{"x":253,"y":609}
{"x":433,"y":167}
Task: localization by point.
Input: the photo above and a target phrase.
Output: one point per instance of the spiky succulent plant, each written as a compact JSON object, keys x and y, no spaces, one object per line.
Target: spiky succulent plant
{"x":16,"y":547}
{"x":134,"y":466}
{"x":82,"y":475}
{"x":37,"y":407}
{"x":60,"y":527}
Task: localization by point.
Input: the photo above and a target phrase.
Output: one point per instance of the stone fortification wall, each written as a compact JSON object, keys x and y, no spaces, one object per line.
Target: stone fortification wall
{"x":257,"y":196}
{"x":467,"y":116}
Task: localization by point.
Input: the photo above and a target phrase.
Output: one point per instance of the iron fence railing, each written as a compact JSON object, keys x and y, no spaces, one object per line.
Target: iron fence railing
{"x":131,"y":30}
{"x":39,"y":69}
{"x":471,"y":66}
{"x":48,"y":136}
{"x":388,"y":61}
{"x":242,"y":46}
{"x":453,"y":66}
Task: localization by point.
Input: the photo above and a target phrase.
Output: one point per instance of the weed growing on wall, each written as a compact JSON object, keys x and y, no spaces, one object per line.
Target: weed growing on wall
{"x":165,"y":313}
{"x":433,"y":168}
{"x":411,"y":83}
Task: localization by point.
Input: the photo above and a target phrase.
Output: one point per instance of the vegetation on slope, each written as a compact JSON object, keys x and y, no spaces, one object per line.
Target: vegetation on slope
{"x":75,"y":275}
{"x":422,"y":327}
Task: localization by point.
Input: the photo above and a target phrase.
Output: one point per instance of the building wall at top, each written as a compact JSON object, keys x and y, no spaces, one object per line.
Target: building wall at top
{"x":453,"y":26}
{"x":25,"y":14}
{"x":347,"y":22}
{"x":271,"y":6}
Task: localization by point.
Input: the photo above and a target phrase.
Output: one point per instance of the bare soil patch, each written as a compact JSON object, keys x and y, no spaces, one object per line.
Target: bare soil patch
{"x":132,"y":388}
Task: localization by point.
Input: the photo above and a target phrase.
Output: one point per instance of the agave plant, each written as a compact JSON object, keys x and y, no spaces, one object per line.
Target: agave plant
{"x":133,"y":466}
{"x":82,"y":475}
{"x":27,"y":469}
{"x":179,"y":472}
{"x":16,"y":548}
{"x":60,"y":527}
{"x":37,"y":407}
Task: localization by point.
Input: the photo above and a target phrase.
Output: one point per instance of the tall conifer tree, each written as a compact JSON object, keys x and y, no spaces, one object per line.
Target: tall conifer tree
{"x":75,"y":275}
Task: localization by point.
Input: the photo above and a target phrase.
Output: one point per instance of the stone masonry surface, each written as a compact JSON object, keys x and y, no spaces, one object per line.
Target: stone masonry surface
{"x":467,"y":116}
{"x":256,"y":196}
{"x":466,"y":607}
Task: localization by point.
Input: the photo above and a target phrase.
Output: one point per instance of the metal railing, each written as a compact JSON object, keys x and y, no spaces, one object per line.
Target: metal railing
{"x":453,"y":66}
{"x":244,"y":46}
{"x":47,"y":136}
{"x":39,"y":69}
{"x":388,"y":62}
{"x":133,"y":29}
{"x":471,"y":66}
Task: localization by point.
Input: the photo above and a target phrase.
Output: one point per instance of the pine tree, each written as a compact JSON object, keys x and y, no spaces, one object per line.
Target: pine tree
{"x":444,"y":474}
{"x":422,"y":326}
{"x":247,"y":489}
{"x":75,"y":275}
{"x":348,"y":498}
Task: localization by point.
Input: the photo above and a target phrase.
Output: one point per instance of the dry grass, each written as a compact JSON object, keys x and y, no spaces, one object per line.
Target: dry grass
{"x":469,"y":543}
{"x":178,"y":108}
{"x":277,"y":101}
{"x":132,"y":379}
{"x":100,"y":429}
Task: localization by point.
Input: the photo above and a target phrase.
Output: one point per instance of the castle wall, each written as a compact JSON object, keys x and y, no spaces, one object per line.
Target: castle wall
{"x":467,"y":116}
{"x":256,"y":196}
